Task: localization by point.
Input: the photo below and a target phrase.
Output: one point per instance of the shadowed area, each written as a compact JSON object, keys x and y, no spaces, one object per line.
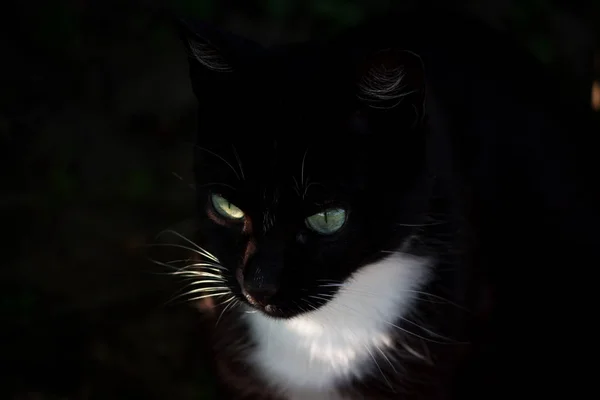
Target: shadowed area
{"x":97,"y":118}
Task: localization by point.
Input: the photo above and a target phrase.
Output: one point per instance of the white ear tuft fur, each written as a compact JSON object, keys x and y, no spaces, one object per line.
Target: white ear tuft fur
{"x":390,"y":77}
{"x":208,"y":55}
{"x":383,"y":87}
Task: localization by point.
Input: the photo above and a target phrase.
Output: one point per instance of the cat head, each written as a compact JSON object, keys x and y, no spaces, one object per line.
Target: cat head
{"x":310,"y":162}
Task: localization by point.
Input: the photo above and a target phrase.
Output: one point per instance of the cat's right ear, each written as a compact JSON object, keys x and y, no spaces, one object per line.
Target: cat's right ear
{"x":216,"y":57}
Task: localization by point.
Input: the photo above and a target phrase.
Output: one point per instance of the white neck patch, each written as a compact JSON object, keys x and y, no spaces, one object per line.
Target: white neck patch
{"x":320,"y":349}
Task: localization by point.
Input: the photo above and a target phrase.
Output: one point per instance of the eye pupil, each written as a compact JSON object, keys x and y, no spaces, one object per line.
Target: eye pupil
{"x":225,"y":208}
{"x":327,"y":222}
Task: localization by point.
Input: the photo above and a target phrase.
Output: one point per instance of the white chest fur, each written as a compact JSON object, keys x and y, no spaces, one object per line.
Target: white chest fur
{"x":314,"y":352}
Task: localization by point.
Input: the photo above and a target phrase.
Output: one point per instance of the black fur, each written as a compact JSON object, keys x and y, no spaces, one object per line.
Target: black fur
{"x":482,"y":152}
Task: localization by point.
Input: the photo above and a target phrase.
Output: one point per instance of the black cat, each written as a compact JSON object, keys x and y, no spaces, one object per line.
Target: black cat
{"x":375,"y":207}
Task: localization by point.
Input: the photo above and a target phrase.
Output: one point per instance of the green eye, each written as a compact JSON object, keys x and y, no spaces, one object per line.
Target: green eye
{"x":225,"y":208}
{"x":327,"y":222}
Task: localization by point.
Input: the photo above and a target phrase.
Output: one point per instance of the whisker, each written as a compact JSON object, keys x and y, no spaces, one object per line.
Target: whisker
{"x":301,"y":309}
{"x":196,"y":282}
{"x":188,"y":271}
{"x":178,"y":246}
{"x":196,"y":264}
{"x":309,"y":304}
{"x":223,"y":289}
{"x":208,"y":266}
{"x":219,"y":157}
{"x":202,"y":282}
{"x":179,"y":261}
{"x":309,"y":184}
{"x":415,"y":353}
{"x":423,"y":225}
{"x":230,"y":301}
{"x":208,"y":295}
{"x":385,"y":357}
{"x":190,"y":185}
{"x":196,"y":298}
{"x":442,"y":300}
{"x":296,"y":186}
{"x":224,"y":302}
{"x":380,"y":370}
{"x":427,"y":330}
{"x":333,"y":285}
{"x":200,"y":249}
{"x":196,"y":273}
{"x":237,"y":157}
{"x":447,"y":340}
{"x":207,"y":290}
{"x":204,"y":265}
{"x":302,"y":169}
{"x":320,"y":297}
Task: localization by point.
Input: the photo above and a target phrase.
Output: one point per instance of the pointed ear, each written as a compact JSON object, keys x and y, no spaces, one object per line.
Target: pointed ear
{"x":202,"y":44}
{"x":392,"y":81}
{"x":216,"y":57}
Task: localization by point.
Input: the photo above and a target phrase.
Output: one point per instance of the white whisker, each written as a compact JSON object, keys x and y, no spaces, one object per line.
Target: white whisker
{"x":421,"y":225}
{"x":190,"y":185}
{"x":386,"y":358}
{"x":208,"y":295}
{"x":380,"y":370}
{"x":221,"y":158}
{"x":442,"y":300}
{"x":207,"y":290}
{"x":202,"y":251}
{"x":202,"y":282}
{"x":231,"y":301}
{"x":302,"y":169}
{"x":196,"y":273}
{"x":239,"y":161}
{"x":375,"y":317}
{"x":179,"y":246}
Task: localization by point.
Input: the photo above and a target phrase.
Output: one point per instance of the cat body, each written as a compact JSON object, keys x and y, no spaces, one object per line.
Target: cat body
{"x":356,"y":196}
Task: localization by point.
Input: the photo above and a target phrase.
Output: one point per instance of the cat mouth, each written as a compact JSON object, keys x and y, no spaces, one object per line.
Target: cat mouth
{"x":276,"y":310}
{"x":258,"y":298}
{"x":269,"y":301}
{"x":268,"y":309}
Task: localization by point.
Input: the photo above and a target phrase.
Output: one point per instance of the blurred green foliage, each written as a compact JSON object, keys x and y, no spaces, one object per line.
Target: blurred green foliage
{"x":340,"y":12}
{"x":279,"y":10}
{"x":199,"y":8}
{"x":527,"y":19}
{"x":61,"y":183}
{"x":58,"y":26}
{"x":20,"y":305}
{"x":138,"y":184}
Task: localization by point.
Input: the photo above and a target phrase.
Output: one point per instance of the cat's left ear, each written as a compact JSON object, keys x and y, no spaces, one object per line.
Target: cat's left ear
{"x":392,"y":81}
{"x":205,"y":45}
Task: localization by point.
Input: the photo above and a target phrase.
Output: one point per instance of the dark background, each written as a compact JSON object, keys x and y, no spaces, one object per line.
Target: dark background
{"x":96,"y":121}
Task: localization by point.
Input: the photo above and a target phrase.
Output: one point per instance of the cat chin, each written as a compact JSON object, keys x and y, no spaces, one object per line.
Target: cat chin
{"x":269,"y":311}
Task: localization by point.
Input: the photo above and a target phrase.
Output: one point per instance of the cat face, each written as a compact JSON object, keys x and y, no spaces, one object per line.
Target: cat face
{"x":310,"y":163}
